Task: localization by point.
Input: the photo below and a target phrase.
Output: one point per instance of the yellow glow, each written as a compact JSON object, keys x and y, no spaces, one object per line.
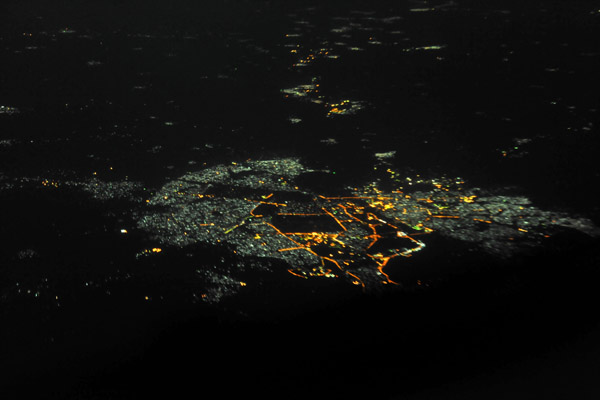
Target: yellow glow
{"x":49,"y":183}
{"x":364,"y":224}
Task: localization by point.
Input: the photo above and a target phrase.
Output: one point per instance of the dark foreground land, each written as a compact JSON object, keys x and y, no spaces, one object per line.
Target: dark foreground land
{"x":105,"y":107}
{"x":523,"y":332}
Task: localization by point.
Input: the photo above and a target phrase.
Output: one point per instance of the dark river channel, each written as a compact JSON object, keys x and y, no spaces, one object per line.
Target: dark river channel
{"x":299,"y":199}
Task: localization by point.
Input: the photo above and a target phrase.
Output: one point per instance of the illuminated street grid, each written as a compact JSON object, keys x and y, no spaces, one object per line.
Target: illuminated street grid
{"x":255,"y":209}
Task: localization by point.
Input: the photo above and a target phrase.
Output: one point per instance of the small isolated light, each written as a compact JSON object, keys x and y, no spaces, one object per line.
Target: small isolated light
{"x":123,"y":231}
